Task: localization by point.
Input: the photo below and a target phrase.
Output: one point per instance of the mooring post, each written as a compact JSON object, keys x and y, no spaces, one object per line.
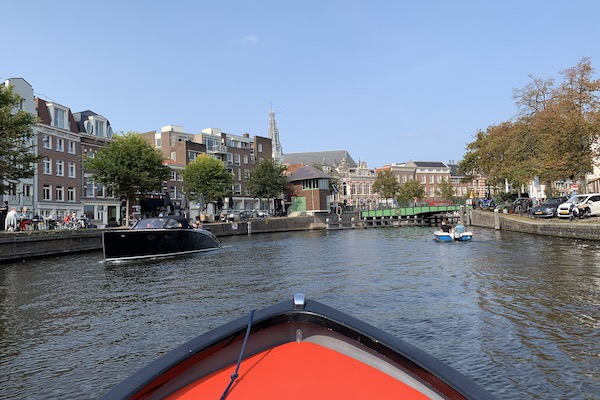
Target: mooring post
{"x":496,"y":219}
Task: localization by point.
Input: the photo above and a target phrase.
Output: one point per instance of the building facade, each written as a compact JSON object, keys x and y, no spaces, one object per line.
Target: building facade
{"x":238,"y":153}
{"x":60,"y":184}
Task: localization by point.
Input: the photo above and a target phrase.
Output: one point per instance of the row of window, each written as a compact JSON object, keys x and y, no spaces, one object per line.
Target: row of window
{"x":59,"y":193}
{"x":60,"y":168}
{"x":59,"y":144}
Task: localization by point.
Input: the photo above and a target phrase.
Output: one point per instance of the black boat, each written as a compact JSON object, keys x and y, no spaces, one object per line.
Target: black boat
{"x":157,"y":237}
{"x":298,"y":349}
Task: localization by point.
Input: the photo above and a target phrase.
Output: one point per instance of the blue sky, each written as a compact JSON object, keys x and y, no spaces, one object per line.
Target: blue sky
{"x":389,"y":81}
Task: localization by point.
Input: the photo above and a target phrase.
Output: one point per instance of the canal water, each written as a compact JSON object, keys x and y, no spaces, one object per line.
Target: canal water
{"x":519,"y":314}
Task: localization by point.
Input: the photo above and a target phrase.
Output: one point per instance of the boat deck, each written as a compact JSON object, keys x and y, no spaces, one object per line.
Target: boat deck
{"x":289,"y":371}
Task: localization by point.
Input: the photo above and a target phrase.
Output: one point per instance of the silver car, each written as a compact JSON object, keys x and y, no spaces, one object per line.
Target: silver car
{"x":592,"y":200}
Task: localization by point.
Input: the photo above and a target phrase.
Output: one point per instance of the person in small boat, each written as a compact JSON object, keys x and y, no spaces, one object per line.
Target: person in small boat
{"x":459,"y":228}
{"x":446,"y":228}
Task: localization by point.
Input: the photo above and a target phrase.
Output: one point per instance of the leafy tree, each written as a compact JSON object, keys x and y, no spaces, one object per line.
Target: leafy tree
{"x":386,"y":184}
{"x":267,"y":180}
{"x":554,"y":137}
{"x":206,"y":179}
{"x":17,"y":157}
{"x":411,"y":190}
{"x":129,"y":165}
{"x":445,"y":190}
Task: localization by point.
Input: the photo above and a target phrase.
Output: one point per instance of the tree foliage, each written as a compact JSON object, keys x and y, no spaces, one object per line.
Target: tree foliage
{"x":17,"y":155}
{"x":267,"y":180}
{"x":554,"y":136}
{"x":411,"y":190}
{"x":386,"y":184}
{"x":129,"y":166}
{"x":445,"y":190}
{"x":207,"y":179}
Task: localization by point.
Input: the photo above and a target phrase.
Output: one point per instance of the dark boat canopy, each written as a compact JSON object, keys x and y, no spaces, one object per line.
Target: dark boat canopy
{"x":168,"y":222}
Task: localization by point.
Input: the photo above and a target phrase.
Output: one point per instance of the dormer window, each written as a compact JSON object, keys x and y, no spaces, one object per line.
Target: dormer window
{"x":59,"y":118}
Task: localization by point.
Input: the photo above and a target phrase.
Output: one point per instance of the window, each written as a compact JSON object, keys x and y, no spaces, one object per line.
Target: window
{"x":71,"y":194}
{"x":47,"y":192}
{"x":439,"y":179}
{"x":236,"y":159}
{"x":47,"y":142}
{"x":60,"y":144}
{"x":99,"y":213}
{"x":245,"y":159}
{"x":59,"y":118}
{"x":71,"y":147}
{"x":100,"y":128}
{"x":260,"y":147}
{"x":71,"y":170}
{"x":229,"y":158}
{"x":60,"y":193}
{"x":430,"y":178}
{"x":157,"y":143}
{"x":174,"y":156}
{"x":47,"y":166}
{"x":423,"y":179}
{"x":99,"y":190}
{"x":173,"y":176}
{"x":60,"y":168}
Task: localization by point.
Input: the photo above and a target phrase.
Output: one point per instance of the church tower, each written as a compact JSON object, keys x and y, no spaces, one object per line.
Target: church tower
{"x":274,"y":136}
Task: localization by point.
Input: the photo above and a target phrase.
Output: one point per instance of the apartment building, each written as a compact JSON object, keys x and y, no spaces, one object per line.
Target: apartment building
{"x":238,"y":153}
{"x":60,"y":184}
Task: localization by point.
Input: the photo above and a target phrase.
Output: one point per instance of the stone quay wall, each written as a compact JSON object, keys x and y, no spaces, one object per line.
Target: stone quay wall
{"x":577,"y":229}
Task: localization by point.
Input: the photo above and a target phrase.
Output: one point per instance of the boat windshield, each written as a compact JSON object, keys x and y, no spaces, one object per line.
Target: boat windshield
{"x":150,"y":223}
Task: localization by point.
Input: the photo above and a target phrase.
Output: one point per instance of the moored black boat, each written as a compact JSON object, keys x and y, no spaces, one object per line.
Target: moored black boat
{"x":298,"y":349}
{"x":157,"y":237}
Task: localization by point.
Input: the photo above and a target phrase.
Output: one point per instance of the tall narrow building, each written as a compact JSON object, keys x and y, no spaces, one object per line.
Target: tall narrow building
{"x":274,"y":136}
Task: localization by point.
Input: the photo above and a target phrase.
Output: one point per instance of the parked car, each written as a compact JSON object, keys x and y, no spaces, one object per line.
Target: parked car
{"x":521,"y":205}
{"x":548,"y":208}
{"x":581,"y":205}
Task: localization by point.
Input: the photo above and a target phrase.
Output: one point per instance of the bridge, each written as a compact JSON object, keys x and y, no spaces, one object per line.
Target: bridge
{"x":418,"y":211}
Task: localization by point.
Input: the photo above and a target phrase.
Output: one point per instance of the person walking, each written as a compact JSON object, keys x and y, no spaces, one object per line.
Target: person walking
{"x":3,"y":213}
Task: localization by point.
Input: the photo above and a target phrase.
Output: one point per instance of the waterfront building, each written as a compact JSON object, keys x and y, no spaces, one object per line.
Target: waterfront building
{"x":238,"y":153}
{"x":309,"y":191}
{"x":353,"y":182}
{"x":60,"y":184}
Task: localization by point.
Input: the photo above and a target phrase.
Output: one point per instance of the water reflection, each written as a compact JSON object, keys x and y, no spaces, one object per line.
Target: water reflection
{"x":517,"y":313}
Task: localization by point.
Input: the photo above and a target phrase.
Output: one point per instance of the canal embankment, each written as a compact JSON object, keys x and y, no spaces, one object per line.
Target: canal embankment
{"x":17,"y":246}
{"x":586,"y":229}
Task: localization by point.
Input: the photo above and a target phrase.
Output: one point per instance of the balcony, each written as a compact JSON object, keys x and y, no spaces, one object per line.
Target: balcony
{"x":217,"y":149}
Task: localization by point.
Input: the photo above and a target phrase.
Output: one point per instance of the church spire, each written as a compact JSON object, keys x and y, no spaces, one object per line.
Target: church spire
{"x":274,"y":136}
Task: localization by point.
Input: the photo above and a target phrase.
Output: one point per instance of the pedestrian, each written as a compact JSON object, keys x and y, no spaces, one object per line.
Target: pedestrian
{"x":3,"y":213}
{"x":10,"y":224}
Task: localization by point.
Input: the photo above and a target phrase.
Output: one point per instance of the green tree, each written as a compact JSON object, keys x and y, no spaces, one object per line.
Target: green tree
{"x":267,"y":180}
{"x":17,"y":155}
{"x":129,"y":166}
{"x":445,"y":190}
{"x":411,"y":190}
{"x":206,"y":179}
{"x":386,"y":184}
{"x":554,"y":137}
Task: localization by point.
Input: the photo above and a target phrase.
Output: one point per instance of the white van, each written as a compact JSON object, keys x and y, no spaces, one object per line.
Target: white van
{"x":565,"y":210}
